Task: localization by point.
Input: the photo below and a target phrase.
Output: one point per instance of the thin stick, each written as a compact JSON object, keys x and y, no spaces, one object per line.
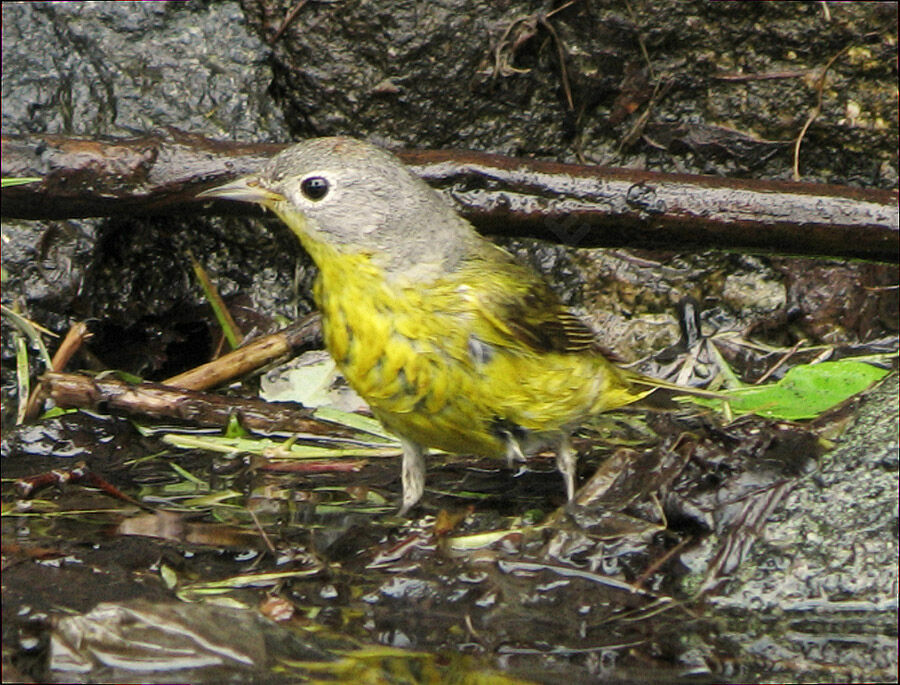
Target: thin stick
{"x":288,"y":18}
{"x":820,"y":87}
{"x":787,"y":355}
{"x":251,"y":356}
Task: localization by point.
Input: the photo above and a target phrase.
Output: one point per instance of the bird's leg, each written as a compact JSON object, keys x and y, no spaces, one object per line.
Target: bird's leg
{"x":565,"y":462}
{"x":513,"y":451}
{"x":413,"y":474}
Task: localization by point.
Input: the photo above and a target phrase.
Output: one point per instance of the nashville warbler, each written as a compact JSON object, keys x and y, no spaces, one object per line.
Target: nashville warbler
{"x":453,"y":343}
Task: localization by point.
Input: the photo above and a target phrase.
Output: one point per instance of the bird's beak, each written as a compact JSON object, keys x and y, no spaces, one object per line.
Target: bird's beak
{"x":246,"y":189}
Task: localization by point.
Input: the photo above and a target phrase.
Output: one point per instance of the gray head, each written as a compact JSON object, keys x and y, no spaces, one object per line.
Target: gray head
{"x":356,"y":197}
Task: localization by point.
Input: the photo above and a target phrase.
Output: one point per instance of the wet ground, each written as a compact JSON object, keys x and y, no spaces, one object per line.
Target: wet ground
{"x":701,"y":550}
{"x":686,"y":557}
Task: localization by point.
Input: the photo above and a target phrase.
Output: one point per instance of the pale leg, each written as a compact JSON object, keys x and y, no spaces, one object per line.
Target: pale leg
{"x":565,"y":462}
{"x":513,"y":451}
{"x":413,"y":474}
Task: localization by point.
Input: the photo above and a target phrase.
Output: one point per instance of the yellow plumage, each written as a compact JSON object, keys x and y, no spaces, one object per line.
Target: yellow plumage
{"x":452,"y":343}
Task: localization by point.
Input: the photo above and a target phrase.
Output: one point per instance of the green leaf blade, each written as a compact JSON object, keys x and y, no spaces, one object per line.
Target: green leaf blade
{"x":805,"y":392}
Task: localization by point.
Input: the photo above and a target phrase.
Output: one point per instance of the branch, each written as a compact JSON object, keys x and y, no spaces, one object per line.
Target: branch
{"x":288,"y":342}
{"x":578,"y":205}
{"x":204,"y":409}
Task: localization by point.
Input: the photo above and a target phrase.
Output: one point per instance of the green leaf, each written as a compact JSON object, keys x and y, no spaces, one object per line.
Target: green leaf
{"x":187,"y":475}
{"x":274,"y":449}
{"x":220,"y":309}
{"x":22,"y":376}
{"x":31,"y":330}
{"x":804,"y":392}
{"x":234,"y":429}
{"x":7,"y":181}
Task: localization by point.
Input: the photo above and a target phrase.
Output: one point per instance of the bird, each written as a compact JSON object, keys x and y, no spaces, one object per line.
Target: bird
{"x":452,"y":342}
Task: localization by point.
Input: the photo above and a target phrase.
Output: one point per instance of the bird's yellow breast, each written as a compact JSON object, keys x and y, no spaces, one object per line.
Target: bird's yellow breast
{"x":436,"y":370}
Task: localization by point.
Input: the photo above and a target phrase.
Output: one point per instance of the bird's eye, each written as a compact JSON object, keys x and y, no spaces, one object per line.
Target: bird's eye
{"x":314,"y":187}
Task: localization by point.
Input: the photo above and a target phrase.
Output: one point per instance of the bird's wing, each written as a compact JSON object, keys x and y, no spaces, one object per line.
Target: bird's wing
{"x":523,"y":310}
{"x":538,"y":319}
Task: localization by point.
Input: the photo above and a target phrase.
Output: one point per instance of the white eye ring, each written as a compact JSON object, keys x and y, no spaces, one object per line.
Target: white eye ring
{"x":315,"y":188}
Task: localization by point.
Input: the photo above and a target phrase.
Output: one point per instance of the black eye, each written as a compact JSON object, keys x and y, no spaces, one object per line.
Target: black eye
{"x":314,"y":187}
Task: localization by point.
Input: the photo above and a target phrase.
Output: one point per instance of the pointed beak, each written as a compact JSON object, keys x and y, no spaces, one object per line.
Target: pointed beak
{"x":246,"y":189}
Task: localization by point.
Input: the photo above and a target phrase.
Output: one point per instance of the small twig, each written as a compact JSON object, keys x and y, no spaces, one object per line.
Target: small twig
{"x":561,"y":53}
{"x":787,"y":355}
{"x":474,"y":633}
{"x":660,"y":90}
{"x":656,"y":565}
{"x":152,"y":400}
{"x":768,"y":76}
{"x":640,"y":40}
{"x":820,"y":88}
{"x":75,"y":337}
{"x":251,"y":356}
{"x":262,"y":531}
{"x":503,"y":65}
{"x":560,"y":9}
{"x":81,"y":474}
{"x":288,"y":18}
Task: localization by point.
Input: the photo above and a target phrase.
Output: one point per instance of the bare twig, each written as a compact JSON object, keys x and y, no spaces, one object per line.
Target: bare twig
{"x":584,"y":205}
{"x":777,"y":365}
{"x":768,"y":76}
{"x":265,"y":350}
{"x":561,"y":54}
{"x":820,"y":88}
{"x":205,"y":409}
{"x":288,"y":18}
{"x":640,"y":40}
